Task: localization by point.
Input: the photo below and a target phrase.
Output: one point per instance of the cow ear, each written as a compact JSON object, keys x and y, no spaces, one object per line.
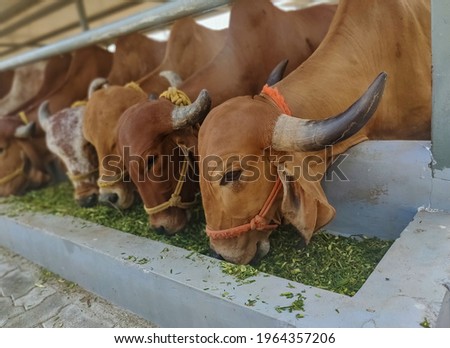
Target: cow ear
{"x":304,"y":204}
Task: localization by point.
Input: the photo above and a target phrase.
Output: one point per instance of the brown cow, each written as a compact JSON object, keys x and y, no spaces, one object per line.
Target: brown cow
{"x":135,"y":56}
{"x":259,"y":37}
{"x":27,"y":81}
{"x":190,"y":46}
{"x":286,"y":129}
{"x":23,"y":150}
{"x":54,"y":76}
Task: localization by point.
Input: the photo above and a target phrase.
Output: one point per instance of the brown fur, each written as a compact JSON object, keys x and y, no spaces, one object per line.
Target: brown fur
{"x":391,"y":36}
{"x":259,"y":37}
{"x":87,"y":63}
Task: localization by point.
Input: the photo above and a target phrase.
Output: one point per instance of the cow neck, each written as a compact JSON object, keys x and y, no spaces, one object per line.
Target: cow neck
{"x":175,"y":198}
{"x":259,"y":222}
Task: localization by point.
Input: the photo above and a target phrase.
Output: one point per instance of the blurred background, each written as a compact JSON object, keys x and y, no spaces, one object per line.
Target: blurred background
{"x":30,"y":24}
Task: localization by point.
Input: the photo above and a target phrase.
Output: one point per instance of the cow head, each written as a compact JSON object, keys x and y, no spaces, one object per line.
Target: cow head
{"x":158,"y":142}
{"x":246,"y":146}
{"x":103,"y":110}
{"x":64,"y":137}
{"x":21,"y":166}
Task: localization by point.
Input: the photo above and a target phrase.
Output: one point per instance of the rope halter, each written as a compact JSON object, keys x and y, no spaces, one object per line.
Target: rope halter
{"x":79,"y":177}
{"x":259,"y":222}
{"x":179,"y":98}
{"x":78,"y":103}
{"x":175,"y":198}
{"x":19,"y":171}
{"x":111,"y":182}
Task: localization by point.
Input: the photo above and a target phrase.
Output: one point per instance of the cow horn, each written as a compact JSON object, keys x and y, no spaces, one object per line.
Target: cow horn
{"x":277,"y":73}
{"x":43,"y":115}
{"x":174,"y":79}
{"x":296,"y":134}
{"x":189,"y":115}
{"x":96,"y":84}
{"x":25,"y":131}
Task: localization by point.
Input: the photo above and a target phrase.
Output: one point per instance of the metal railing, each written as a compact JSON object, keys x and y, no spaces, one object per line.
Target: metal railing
{"x":153,"y":18}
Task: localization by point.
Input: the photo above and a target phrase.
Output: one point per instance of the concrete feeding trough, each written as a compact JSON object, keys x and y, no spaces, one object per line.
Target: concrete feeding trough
{"x":395,"y":190}
{"x":173,"y":287}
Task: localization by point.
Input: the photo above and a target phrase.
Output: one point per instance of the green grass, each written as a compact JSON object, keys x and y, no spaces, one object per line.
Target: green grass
{"x":329,"y":262}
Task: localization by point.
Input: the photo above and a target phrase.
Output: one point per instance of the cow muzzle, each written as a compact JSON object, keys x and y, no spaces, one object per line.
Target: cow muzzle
{"x":169,"y":221}
{"x":248,"y":249}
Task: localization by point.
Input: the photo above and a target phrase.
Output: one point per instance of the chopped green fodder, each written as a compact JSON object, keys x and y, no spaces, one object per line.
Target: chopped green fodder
{"x":329,"y":262}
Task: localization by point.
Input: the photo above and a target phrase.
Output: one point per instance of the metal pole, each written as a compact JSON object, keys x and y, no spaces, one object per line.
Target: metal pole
{"x":440,"y":126}
{"x":37,"y":41}
{"x":152,"y":18}
{"x":82,"y":14}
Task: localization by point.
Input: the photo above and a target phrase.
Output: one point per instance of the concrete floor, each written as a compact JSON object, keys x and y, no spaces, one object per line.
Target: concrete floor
{"x":31,"y":297}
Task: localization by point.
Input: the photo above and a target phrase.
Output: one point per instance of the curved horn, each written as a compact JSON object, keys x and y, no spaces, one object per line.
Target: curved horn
{"x":277,"y":73}
{"x":296,"y":134}
{"x":25,"y":131}
{"x":96,"y":84}
{"x":174,"y":79}
{"x":189,"y":115}
{"x":43,"y":115}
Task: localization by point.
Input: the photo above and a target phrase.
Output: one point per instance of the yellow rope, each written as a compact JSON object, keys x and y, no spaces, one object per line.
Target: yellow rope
{"x":175,"y":198}
{"x":176,"y":96}
{"x":107,"y":183}
{"x":135,"y":86}
{"x":79,"y":177}
{"x":23,"y":117}
{"x":78,"y":103}
{"x":6,"y":179}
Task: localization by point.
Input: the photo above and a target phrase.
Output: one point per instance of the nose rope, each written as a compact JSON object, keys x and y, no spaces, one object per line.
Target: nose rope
{"x":259,"y":222}
{"x":107,"y":183}
{"x":20,"y":170}
{"x":175,"y":198}
{"x":78,"y":103}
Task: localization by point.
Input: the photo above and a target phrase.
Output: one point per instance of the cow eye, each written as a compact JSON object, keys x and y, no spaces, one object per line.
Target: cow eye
{"x":2,"y":149}
{"x":232,"y":175}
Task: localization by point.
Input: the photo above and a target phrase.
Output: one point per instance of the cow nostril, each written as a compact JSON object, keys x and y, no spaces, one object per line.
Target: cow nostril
{"x":212,"y":253}
{"x":87,"y":202}
{"x":91,"y":200}
{"x":160,"y":230}
{"x":113,"y":198}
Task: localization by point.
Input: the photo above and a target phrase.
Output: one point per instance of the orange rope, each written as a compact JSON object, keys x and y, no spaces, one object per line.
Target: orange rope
{"x":278,"y":99}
